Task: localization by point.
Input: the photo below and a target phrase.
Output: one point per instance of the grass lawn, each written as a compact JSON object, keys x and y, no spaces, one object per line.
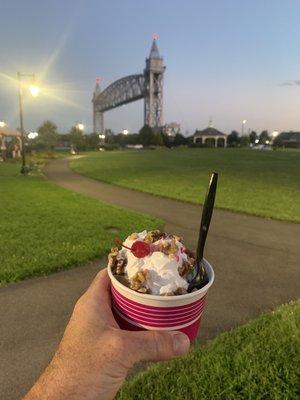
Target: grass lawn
{"x":45,"y":228}
{"x":256,"y":361}
{"x":264,"y":183}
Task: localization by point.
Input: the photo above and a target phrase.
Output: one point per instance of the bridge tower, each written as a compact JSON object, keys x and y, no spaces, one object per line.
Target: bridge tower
{"x":98,"y":123}
{"x":147,"y":86}
{"x":154,"y":74}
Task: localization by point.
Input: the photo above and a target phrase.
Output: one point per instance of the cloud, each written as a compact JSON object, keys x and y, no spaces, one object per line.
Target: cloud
{"x":291,"y":83}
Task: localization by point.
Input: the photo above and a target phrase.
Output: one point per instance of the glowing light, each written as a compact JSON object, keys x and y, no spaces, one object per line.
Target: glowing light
{"x":101,"y":136}
{"x":34,"y":90}
{"x":125,"y":131}
{"x":32,"y":135}
{"x":244,"y":121}
{"x":80,"y":126}
{"x":275,"y":133}
{"x":63,"y":92}
{"x":267,"y":141}
{"x":2,"y":124}
{"x":257,"y":141}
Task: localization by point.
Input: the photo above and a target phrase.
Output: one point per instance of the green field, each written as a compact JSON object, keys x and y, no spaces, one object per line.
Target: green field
{"x":256,"y":361}
{"x":264,"y":183}
{"x":45,"y":228}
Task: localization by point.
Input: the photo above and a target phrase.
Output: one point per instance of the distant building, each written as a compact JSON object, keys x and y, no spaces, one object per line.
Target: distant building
{"x":6,"y":135}
{"x":210,"y":137}
{"x":289,"y":139}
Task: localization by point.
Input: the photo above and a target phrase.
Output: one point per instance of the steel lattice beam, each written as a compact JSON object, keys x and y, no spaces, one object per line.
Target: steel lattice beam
{"x":123,"y":91}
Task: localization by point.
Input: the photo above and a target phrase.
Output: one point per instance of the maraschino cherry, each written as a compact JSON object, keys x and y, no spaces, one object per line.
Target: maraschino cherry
{"x":139,"y":248}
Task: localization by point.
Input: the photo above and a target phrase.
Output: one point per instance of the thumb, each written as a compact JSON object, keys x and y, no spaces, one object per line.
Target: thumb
{"x":158,"y":345}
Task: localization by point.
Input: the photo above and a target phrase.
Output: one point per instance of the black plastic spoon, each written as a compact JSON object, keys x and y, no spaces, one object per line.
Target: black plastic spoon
{"x":200,"y":277}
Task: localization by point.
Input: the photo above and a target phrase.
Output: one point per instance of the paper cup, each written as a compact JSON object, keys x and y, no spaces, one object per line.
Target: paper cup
{"x":137,"y":311}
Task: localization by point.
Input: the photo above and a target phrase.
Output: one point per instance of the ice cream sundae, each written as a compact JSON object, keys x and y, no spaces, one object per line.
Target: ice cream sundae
{"x":152,"y":262}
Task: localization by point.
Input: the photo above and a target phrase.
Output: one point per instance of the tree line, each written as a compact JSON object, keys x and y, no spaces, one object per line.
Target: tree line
{"x":234,"y":140}
{"x":49,"y":139}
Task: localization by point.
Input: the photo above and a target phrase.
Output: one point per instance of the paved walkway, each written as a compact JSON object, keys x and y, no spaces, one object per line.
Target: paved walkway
{"x":256,"y":263}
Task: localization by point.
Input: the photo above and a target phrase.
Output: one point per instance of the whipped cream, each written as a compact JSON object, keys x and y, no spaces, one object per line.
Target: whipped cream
{"x":163,"y":275}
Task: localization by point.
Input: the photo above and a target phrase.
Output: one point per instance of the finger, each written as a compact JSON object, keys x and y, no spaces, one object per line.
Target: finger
{"x":98,"y":298}
{"x":157,"y":345}
{"x":100,"y":287}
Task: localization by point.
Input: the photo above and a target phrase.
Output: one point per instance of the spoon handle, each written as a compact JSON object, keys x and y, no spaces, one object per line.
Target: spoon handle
{"x":206,"y":216}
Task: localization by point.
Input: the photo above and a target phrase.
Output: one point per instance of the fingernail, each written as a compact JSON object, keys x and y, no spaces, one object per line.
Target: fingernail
{"x":181,"y":343}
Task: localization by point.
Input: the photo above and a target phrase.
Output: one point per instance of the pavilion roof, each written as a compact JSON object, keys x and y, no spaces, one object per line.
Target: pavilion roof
{"x":6,"y":131}
{"x":210,"y":131}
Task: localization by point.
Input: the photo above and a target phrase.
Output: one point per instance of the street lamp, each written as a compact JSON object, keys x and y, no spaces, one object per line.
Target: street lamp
{"x":32,"y":135}
{"x":102,"y":137}
{"x":125,"y":132}
{"x":80,"y":126}
{"x":243,"y":126}
{"x":34,"y":90}
{"x":2,"y":124}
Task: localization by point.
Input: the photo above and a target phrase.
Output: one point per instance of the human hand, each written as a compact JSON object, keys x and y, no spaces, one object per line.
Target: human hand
{"x":94,"y":355}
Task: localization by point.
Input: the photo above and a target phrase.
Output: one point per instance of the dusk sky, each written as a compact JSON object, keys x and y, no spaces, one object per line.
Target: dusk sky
{"x":227,"y":60}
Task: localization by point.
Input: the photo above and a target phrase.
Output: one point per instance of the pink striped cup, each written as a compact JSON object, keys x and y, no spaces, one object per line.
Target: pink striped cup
{"x":137,"y":311}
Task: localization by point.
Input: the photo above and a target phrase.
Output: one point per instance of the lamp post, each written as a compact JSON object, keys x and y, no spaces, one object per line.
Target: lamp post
{"x":243,"y":126}
{"x":102,"y":139}
{"x":34,"y":90}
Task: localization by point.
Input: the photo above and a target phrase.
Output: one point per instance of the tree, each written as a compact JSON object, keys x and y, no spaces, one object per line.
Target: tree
{"x":189,"y":140}
{"x":253,"y":137}
{"x":233,"y":139}
{"x":244,"y":141}
{"x":147,"y":136}
{"x":263,"y":137}
{"x":278,"y":142}
{"x":132,"y":138}
{"x":158,"y":139}
{"x":48,"y":136}
{"x":92,"y":141}
{"x":77,"y":139}
{"x":110,"y":138}
{"x":179,"y":140}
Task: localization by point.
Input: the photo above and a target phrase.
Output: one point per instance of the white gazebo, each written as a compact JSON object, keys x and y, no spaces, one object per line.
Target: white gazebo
{"x":210,"y":137}
{"x":6,"y":132}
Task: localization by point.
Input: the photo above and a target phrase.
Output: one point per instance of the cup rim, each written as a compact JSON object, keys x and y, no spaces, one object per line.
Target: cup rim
{"x":166,"y":299}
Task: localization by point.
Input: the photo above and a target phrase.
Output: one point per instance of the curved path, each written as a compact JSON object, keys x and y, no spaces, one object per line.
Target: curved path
{"x":256,"y":262}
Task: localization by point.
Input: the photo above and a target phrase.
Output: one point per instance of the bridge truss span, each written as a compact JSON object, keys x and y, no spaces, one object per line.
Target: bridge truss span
{"x":123,"y":91}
